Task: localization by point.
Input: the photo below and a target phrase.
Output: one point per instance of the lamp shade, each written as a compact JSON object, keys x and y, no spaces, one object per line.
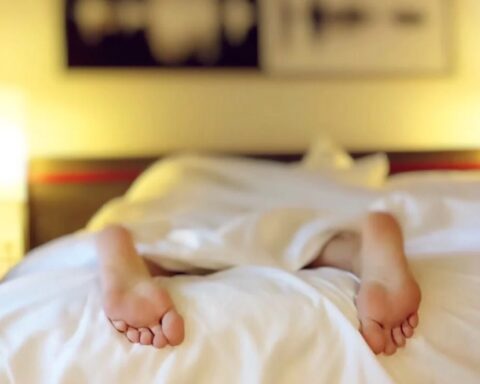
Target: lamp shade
{"x":13,"y":148}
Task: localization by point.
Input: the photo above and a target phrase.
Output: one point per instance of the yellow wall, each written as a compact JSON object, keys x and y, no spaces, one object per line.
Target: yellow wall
{"x":104,"y":113}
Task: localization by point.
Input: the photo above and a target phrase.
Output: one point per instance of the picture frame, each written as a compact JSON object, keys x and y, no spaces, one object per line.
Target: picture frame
{"x":275,"y":37}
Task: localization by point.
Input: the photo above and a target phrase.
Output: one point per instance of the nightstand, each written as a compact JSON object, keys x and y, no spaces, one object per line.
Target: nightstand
{"x":12,"y":234}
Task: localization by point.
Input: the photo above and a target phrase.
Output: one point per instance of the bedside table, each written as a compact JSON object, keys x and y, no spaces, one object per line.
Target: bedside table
{"x":12,"y":234}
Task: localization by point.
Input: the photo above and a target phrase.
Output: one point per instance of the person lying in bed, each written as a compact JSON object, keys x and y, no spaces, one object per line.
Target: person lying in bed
{"x":387,"y":300}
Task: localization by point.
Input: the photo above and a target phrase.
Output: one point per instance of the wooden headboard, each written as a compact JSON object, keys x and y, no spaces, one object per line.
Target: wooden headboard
{"x":65,"y":193}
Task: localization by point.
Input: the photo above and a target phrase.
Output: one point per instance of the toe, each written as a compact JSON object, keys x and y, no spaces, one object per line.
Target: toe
{"x":407,"y":329}
{"x":173,"y":327}
{"x":120,"y":325}
{"x":374,"y":335}
{"x":146,"y":336}
{"x":413,"y":320}
{"x":159,"y":339}
{"x":398,"y":337}
{"x":133,"y":335}
{"x":390,"y":347}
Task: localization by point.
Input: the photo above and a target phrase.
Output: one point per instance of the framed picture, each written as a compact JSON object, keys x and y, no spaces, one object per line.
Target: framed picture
{"x":162,"y":33}
{"x":355,"y":37}
{"x":282,"y":37}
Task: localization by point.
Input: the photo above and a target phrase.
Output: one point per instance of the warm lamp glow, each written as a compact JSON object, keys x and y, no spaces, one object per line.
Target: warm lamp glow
{"x":468,"y":119}
{"x":13,"y":160}
{"x":13,"y":169}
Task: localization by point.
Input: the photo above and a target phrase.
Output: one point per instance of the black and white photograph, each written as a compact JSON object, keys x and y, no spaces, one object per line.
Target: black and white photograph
{"x":162,"y":33}
{"x":280,"y":37}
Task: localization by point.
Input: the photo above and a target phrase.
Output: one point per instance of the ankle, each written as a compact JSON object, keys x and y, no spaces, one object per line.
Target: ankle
{"x":342,"y":252}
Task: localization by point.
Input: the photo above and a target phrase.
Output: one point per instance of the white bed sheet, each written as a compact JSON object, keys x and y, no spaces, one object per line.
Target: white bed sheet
{"x":255,"y":324}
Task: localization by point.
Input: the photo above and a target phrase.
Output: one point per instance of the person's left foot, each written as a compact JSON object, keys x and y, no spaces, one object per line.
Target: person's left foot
{"x":132,"y":299}
{"x":143,"y":311}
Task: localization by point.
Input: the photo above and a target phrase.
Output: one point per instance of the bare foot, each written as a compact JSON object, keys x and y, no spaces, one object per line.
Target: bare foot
{"x":133,"y":301}
{"x":389,"y":296}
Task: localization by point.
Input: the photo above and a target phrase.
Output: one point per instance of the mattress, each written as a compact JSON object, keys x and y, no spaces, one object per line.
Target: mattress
{"x":257,"y":320}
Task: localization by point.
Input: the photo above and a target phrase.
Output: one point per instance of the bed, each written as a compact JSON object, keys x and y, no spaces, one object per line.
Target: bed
{"x":252,"y":323}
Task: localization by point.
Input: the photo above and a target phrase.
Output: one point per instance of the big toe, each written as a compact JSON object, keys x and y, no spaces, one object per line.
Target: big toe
{"x":374,"y":335}
{"x":173,"y":327}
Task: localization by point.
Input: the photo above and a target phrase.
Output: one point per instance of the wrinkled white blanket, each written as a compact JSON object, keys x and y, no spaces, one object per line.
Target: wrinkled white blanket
{"x":262,"y":321}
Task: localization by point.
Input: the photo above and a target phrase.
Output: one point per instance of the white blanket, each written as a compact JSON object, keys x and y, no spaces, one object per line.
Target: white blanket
{"x":261,"y":321}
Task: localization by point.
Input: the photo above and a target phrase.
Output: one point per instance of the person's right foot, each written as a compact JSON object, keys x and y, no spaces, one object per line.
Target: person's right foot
{"x":389,"y":296}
